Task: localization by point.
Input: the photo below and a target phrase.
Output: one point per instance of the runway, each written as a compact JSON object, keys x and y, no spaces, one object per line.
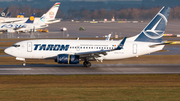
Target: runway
{"x":56,"y":69}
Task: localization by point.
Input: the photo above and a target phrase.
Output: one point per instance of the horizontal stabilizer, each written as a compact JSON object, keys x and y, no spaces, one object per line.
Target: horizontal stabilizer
{"x":162,"y":43}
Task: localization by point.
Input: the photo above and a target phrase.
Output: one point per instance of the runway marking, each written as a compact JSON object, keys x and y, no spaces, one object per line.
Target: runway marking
{"x":15,"y":68}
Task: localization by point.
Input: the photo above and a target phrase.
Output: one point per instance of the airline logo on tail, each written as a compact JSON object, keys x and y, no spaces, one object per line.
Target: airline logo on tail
{"x":3,"y":14}
{"x":20,"y":15}
{"x":154,"y":31}
{"x":52,"y":13}
{"x":31,"y":18}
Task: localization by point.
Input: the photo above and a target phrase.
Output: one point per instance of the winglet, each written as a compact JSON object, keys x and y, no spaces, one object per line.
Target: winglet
{"x":120,"y":46}
{"x":31,"y":18}
{"x":108,"y":37}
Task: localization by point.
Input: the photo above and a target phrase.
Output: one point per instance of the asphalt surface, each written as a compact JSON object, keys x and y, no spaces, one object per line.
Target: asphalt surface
{"x":57,"y":69}
{"x":93,"y":30}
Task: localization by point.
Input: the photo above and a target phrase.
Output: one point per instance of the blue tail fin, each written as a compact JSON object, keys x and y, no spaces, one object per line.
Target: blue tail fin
{"x":4,"y":12}
{"x":8,"y":15}
{"x":21,"y":15}
{"x":31,"y":18}
{"x":154,"y":31}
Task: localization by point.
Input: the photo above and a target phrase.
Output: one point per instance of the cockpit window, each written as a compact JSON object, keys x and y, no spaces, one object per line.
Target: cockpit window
{"x":16,"y":45}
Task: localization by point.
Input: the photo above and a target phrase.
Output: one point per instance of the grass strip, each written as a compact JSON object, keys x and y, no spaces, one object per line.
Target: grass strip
{"x":146,"y":59}
{"x":90,"y":87}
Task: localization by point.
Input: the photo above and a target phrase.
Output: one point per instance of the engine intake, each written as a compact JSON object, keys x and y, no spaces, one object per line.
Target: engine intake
{"x":67,"y":59}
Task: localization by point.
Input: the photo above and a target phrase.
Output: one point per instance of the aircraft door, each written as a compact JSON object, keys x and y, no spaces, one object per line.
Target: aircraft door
{"x":29,"y":47}
{"x":134,"y":48}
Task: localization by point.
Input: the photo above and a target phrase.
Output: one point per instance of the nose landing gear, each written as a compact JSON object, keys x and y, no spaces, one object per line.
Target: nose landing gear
{"x":24,"y":63}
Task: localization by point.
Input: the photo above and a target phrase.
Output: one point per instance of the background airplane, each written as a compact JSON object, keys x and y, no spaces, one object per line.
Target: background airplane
{"x":72,"y":51}
{"x":50,"y":15}
{"x":24,"y":27}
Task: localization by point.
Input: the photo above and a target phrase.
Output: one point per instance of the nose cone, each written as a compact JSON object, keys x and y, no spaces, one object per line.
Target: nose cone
{"x":7,"y":51}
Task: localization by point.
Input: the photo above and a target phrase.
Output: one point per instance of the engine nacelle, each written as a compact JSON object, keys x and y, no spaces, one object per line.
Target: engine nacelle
{"x":67,"y":59}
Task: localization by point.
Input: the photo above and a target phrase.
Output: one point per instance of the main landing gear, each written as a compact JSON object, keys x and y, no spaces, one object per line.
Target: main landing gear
{"x":87,"y":63}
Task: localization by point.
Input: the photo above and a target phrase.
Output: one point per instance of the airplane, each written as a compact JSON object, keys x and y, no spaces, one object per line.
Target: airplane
{"x":149,"y":40}
{"x":25,"y":27}
{"x":50,"y":16}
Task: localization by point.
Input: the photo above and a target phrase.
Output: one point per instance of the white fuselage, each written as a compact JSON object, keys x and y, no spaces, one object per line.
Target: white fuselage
{"x":23,"y":20}
{"x":48,"y":48}
{"x":19,"y":26}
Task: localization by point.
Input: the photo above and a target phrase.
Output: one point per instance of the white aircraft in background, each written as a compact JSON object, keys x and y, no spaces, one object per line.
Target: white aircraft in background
{"x":50,"y":16}
{"x":24,"y":27}
{"x":72,"y":51}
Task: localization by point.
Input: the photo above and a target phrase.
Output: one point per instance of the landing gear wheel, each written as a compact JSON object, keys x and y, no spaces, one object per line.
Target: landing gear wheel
{"x":87,"y":64}
{"x":24,"y":64}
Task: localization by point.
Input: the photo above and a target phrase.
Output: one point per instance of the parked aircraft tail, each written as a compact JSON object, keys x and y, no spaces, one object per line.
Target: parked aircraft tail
{"x":8,"y":15}
{"x":51,"y":14}
{"x":4,"y":12}
{"x":31,"y":18}
{"x":21,"y":15}
{"x":154,"y":31}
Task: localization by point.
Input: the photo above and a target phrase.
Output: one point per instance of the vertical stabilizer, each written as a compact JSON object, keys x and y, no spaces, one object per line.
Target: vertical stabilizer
{"x":31,"y":18}
{"x":21,"y":15}
{"x":51,"y":14}
{"x":4,"y":12}
{"x":8,"y":15}
{"x":154,"y":31}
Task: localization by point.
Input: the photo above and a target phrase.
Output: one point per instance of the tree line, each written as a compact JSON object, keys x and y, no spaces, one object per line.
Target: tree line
{"x":100,"y":14}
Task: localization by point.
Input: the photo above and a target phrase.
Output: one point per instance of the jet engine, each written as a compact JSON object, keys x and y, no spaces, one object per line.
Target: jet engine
{"x":67,"y":59}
